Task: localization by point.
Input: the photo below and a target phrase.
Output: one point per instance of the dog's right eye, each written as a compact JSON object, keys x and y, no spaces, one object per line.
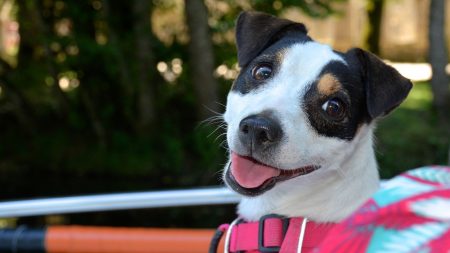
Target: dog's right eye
{"x":262,"y":71}
{"x":334,"y":108}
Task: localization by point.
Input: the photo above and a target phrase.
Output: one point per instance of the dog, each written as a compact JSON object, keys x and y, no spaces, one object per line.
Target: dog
{"x":300,"y":119}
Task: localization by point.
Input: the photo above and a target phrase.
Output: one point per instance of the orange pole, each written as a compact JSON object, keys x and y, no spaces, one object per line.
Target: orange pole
{"x":81,"y":239}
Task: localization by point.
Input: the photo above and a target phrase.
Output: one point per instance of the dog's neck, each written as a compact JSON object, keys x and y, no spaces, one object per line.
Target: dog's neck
{"x":330,"y":194}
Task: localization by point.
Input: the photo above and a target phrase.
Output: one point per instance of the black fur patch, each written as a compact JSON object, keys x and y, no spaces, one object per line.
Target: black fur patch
{"x":370,"y":89}
{"x":256,"y":31}
{"x":273,"y":56}
{"x":385,"y":88}
{"x":352,"y":94}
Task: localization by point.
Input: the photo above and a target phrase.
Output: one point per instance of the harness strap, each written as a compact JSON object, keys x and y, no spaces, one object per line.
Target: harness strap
{"x":275,"y":233}
{"x":313,"y":235}
{"x":267,"y":233}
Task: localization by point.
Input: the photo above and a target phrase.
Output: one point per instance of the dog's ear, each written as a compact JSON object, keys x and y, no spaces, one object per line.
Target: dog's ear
{"x":385,"y":87}
{"x":255,"y":31}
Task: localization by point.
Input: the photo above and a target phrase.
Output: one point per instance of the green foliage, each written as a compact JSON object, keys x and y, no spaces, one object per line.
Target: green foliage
{"x":313,"y":8}
{"x":411,"y":136}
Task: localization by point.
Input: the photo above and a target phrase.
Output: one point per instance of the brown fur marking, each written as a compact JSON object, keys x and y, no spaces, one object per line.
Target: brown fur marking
{"x":328,"y":84}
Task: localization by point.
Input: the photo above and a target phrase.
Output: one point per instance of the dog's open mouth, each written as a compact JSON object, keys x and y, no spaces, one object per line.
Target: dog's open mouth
{"x":250,"y":177}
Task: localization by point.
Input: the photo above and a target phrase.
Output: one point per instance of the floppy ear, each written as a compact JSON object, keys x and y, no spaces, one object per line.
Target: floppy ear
{"x":255,"y":31}
{"x":385,"y":87}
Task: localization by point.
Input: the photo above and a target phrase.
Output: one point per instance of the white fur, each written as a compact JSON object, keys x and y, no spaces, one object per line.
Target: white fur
{"x":348,"y":173}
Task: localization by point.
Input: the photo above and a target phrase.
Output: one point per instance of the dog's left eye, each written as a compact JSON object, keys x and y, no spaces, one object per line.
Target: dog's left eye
{"x":334,"y":108}
{"x":262,"y":71}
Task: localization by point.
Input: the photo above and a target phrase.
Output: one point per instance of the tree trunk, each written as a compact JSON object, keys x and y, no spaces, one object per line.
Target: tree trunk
{"x":438,"y":57}
{"x":201,"y":58}
{"x":122,"y":91}
{"x":375,"y":14}
{"x":145,"y":61}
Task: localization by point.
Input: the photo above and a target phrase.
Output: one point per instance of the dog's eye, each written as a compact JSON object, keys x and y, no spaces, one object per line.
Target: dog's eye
{"x":262,"y":71}
{"x":334,"y":108}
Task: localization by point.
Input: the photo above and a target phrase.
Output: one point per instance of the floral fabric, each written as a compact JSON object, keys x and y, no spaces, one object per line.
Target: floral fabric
{"x":410,"y":213}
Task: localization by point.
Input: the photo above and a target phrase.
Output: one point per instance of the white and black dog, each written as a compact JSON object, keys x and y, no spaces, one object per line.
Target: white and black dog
{"x":300,"y":119}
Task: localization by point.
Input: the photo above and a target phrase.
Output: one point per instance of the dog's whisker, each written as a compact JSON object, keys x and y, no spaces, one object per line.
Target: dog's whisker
{"x":214,"y":131}
{"x":219,"y":173}
{"x":211,"y":110}
{"x":223,"y":144}
{"x":220,"y":136}
{"x":217,"y":102}
{"x":223,"y":126}
{"x":212,"y":120}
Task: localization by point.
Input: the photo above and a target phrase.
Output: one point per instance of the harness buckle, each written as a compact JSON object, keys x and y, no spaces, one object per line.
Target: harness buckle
{"x":261,"y":246}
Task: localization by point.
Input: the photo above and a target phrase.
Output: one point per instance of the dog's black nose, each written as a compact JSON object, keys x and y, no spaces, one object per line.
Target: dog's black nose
{"x":258,"y":132}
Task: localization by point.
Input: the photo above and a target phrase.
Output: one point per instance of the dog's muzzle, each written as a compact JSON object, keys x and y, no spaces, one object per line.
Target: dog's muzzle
{"x":249,"y":172}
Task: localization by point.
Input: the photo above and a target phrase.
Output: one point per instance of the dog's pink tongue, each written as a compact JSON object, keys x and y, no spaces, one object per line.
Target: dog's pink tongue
{"x":250,"y":174}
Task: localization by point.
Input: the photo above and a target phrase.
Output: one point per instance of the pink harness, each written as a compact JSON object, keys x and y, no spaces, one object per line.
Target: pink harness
{"x":274,"y":233}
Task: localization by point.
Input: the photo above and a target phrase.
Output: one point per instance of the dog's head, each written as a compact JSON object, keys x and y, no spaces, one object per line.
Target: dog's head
{"x":297,"y":106}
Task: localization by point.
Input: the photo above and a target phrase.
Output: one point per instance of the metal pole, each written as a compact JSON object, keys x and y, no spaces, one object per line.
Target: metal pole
{"x":120,"y":201}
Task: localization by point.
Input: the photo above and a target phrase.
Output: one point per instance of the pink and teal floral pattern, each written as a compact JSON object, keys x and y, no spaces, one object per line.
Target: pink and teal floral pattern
{"x":410,"y":213}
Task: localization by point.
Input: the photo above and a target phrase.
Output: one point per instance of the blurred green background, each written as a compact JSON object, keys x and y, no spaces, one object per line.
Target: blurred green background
{"x":102,"y":96}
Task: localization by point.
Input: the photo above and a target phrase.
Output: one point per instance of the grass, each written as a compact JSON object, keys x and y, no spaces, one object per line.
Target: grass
{"x":411,"y":136}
